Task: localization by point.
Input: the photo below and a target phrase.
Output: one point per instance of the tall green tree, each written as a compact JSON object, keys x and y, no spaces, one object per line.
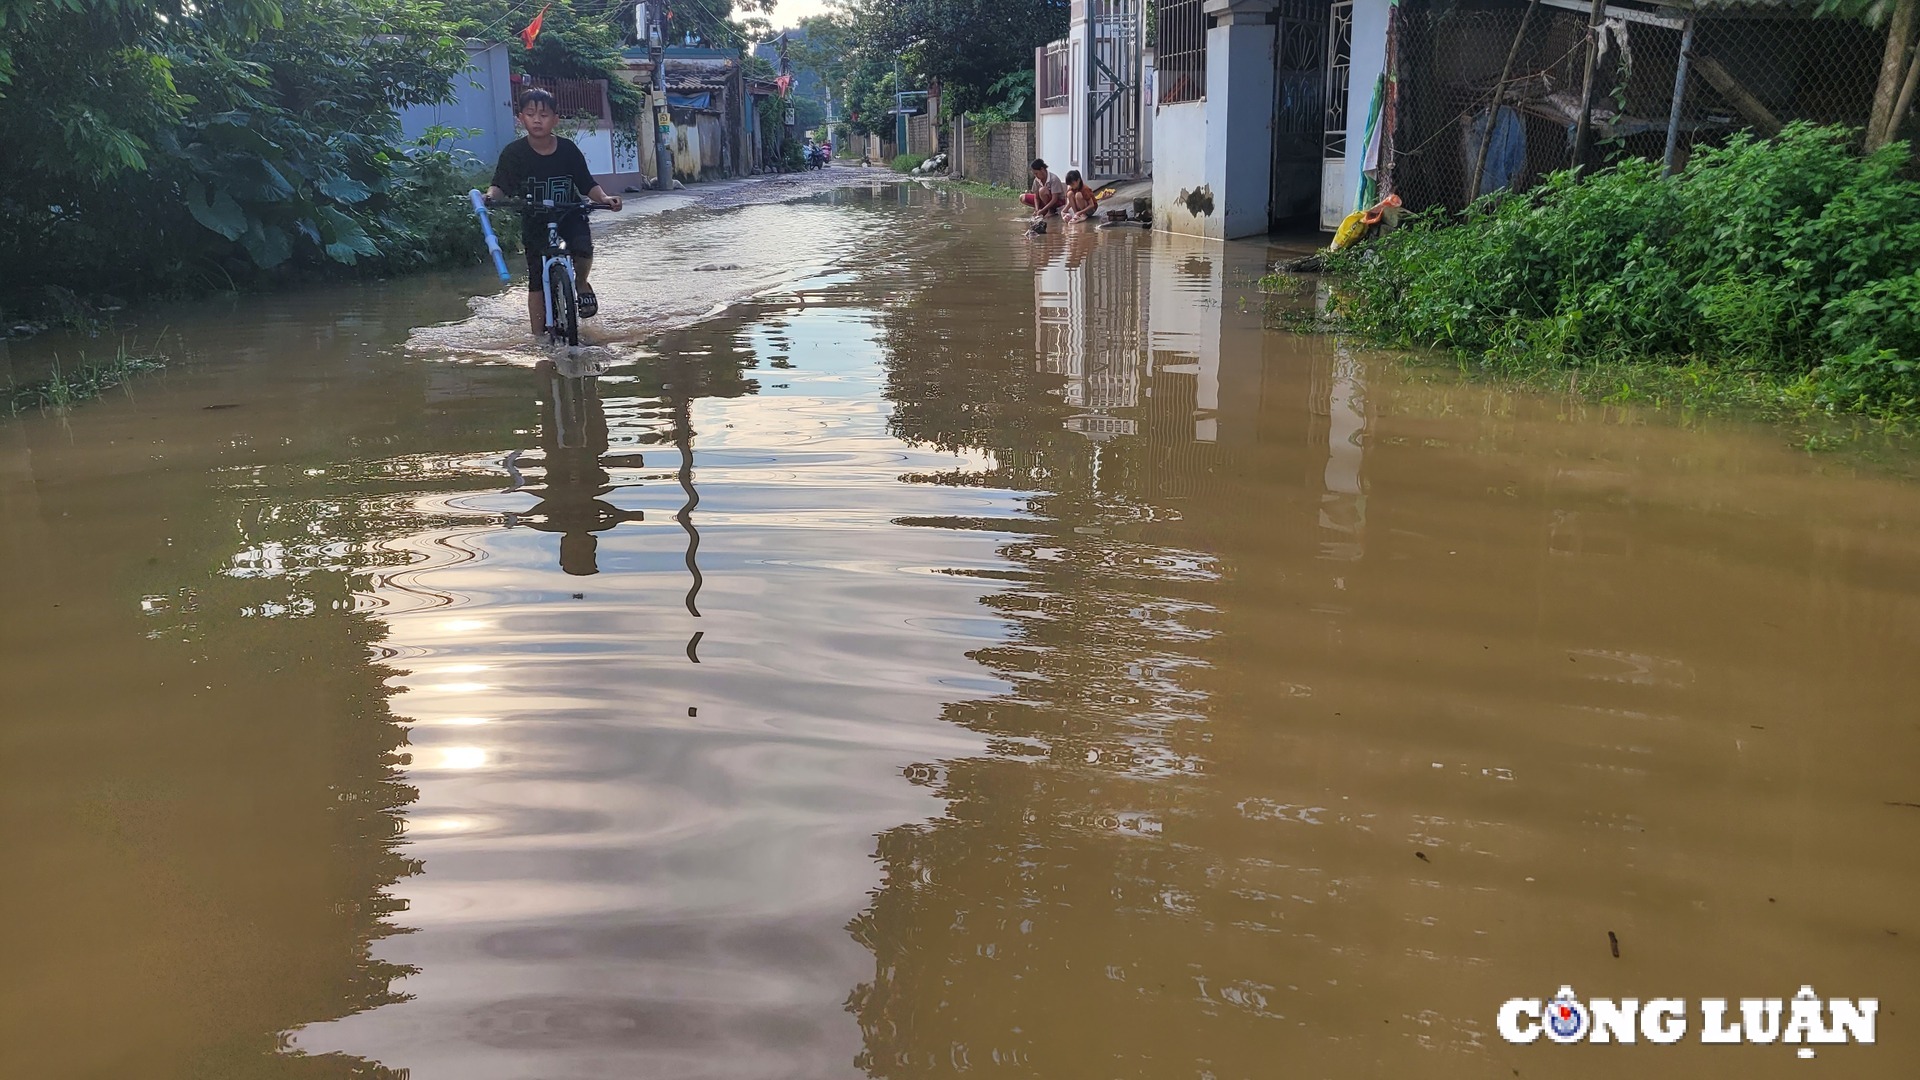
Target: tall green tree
{"x":966,"y":44}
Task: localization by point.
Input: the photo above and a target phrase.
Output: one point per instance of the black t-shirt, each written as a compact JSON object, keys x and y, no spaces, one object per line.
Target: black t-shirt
{"x":520,"y":163}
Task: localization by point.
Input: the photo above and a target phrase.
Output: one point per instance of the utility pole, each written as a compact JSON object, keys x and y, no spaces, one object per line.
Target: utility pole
{"x":899,"y":112}
{"x":662,"y":120}
{"x":786,"y":72}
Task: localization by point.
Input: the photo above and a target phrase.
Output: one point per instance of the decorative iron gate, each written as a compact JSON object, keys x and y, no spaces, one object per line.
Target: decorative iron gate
{"x":1333,"y":157}
{"x":1113,"y":90}
{"x":1300,"y":111}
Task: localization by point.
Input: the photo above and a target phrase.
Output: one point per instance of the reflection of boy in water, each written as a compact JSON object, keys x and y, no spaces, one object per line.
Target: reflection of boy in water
{"x":573,"y":436}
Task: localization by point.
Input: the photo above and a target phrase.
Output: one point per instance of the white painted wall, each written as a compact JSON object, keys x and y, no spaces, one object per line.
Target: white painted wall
{"x":1369,"y":61}
{"x":482,"y":105}
{"x":1076,"y":99}
{"x":1148,"y":88}
{"x":1053,"y":140}
{"x":1179,"y":166}
{"x":597,"y":148}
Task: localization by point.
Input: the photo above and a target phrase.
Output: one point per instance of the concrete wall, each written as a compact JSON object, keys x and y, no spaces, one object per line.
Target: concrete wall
{"x":998,"y":155}
{"x":921,"y":137}
{"x":1240,"y":98}
{"x":1183,"y":200}
{"x":483,"y":103}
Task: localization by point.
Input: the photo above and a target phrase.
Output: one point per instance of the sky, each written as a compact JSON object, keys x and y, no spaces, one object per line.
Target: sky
{"x":790,"y":12}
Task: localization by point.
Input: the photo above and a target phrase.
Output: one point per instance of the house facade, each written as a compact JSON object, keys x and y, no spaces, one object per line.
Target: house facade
{"x":1259,"y":115}
{"x":1242,"y":112}
{"x":1267,"y":113}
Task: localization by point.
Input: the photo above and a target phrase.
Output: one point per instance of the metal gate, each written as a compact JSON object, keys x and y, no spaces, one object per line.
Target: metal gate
{"x":1113,"y":90}
{"x":1333,"y":160}
{"x":1300,"y":111}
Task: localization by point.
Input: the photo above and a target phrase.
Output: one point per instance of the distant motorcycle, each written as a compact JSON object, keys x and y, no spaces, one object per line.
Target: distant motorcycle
{"x":816,"y":157}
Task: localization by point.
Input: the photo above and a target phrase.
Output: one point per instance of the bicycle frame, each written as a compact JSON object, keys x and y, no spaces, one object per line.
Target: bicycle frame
{"x":558,"y":256}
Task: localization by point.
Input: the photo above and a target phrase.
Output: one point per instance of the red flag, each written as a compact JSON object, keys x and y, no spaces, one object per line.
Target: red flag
{"x":784,"y":82}
{"x":533,"y":28}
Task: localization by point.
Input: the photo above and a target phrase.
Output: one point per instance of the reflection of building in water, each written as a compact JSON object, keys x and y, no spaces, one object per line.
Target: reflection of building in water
{"x":1141,"y":874}
{"x":1091,"y":317}
{"x":1130,"y":332}
{"x":1338,"y":399}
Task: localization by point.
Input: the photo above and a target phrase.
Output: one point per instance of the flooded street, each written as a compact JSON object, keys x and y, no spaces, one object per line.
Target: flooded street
{"x":928,"y":651}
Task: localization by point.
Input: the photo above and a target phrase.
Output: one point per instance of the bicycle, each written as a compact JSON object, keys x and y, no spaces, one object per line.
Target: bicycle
{"x":557,"y":282}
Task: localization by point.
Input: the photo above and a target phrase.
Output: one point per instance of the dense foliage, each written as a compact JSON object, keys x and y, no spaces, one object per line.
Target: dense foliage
{"x":173,"y":147}
{"x":1796,"y":259}
{"x":157,"y":153}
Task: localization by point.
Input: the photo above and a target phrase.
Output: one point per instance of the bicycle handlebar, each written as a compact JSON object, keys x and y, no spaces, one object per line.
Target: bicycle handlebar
{"x":514,"y":202}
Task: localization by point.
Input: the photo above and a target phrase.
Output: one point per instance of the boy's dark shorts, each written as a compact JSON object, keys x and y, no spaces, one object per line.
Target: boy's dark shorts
{"x":573,"y":230}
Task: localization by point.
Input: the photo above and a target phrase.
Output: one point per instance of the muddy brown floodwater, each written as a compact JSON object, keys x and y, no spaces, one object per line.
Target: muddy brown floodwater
{"x":960,"y":654}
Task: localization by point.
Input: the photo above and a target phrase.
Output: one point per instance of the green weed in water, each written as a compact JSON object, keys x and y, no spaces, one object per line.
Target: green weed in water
{"x":67,"y":387}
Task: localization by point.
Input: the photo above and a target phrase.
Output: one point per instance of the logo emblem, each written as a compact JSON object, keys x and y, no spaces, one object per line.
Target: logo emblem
{"x":1566,"y":1018}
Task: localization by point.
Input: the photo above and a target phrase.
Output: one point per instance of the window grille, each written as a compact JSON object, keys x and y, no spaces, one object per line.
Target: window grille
{"x":1181,"y":62}
{"x":1054,"y":80}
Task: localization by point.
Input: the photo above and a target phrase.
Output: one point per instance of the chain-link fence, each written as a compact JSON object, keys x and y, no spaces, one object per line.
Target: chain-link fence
{"x":1746,"y":68}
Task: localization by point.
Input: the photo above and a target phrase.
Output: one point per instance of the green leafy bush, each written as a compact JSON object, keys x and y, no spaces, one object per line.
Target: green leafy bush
{"x":908,"y":162}
{"x":1793,"y":258}
{"x":258,"y":155}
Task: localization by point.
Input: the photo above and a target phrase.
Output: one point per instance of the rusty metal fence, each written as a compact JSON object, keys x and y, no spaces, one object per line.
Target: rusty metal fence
{"x":575,"y":97}
{"x":1751,"y":68}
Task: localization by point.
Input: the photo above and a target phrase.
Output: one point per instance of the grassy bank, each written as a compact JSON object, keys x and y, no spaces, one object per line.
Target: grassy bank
{"x":1781,"y":274}
{"x":976,"y":187}
{"x":67,"y":386}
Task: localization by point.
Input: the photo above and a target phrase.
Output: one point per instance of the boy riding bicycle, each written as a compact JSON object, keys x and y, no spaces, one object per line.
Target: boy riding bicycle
{"x":543,"y":158}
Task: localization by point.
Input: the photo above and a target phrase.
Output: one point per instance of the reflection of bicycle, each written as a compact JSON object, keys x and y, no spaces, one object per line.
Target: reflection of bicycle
{"x":573,"y":438}
{"x":575,"y":442}
{"x":557,"y":280}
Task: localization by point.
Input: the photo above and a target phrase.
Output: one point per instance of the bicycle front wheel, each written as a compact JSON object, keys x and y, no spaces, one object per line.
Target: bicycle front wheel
{"x":566,"y":307}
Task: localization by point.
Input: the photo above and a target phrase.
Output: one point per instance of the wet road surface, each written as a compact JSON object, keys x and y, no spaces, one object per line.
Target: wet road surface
{"x":927,"y":652}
